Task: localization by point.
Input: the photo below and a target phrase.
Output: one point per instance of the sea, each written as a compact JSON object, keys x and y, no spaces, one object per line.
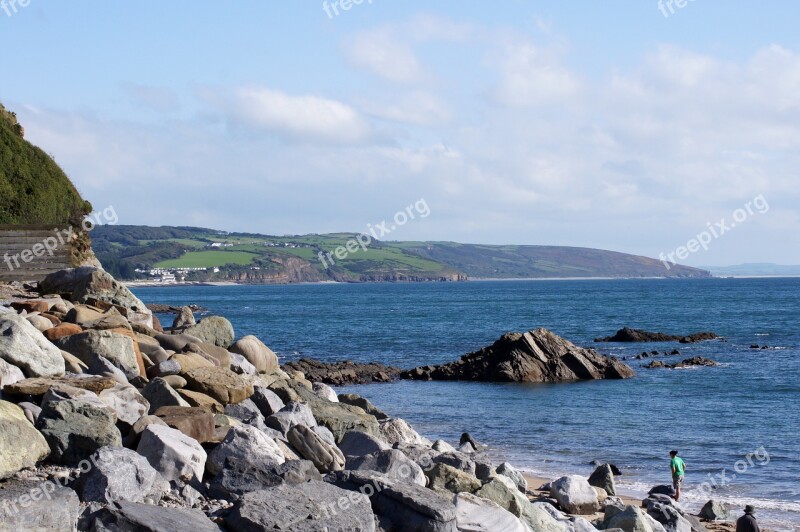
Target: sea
{"x":737,"y":425}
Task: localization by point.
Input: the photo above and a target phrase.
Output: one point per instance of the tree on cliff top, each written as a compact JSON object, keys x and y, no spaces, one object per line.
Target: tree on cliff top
{"x":33,"y":188}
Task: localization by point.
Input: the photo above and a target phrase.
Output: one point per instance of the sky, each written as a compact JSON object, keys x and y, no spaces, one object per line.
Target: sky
{"x":628,"y":125}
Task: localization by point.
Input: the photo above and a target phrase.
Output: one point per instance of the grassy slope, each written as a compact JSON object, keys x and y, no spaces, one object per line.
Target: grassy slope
{"x":33,"y":189}
{"x":187,"y":247}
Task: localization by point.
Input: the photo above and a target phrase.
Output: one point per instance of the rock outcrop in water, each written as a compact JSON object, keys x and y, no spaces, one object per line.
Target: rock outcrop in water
{"x":534,"y":356}
{"x":343,"y":373}
{"x":626,"y":334}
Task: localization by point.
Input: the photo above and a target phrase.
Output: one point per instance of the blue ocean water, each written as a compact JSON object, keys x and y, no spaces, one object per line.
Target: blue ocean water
{"x":716,"y":417}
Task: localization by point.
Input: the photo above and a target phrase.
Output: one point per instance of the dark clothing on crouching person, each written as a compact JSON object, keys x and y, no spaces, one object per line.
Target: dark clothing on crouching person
{"x":747,"y":523}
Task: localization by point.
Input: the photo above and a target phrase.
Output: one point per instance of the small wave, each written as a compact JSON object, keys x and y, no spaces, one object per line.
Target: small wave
{"x":762,"y":334}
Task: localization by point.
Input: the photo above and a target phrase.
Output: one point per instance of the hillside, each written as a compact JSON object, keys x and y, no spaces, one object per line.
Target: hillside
{"x":33,"y":189}
{"x":256,"y":258}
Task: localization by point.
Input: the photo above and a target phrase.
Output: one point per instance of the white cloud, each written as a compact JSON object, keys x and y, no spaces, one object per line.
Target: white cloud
{"x":381,"y":53}
{"x":298,"y":117}
{"x":160,"y":99}
{"x":416,"y":107}
{"x":532,"y":75}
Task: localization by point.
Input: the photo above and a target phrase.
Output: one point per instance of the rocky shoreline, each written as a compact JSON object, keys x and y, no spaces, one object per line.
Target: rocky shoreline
{"x":108,"y":421}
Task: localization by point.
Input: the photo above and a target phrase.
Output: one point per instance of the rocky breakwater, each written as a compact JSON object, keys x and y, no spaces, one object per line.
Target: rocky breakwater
{"x":108,"y":423}
{"x":534,"y":356}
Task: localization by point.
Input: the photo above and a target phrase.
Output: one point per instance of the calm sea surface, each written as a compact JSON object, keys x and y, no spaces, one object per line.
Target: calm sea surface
{"x":714,"y":416}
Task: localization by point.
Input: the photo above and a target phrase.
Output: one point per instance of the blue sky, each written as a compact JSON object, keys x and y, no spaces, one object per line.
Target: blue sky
{"x":600,"y":124}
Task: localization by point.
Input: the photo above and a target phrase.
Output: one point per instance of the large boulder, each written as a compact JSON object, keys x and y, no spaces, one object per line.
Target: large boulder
{"x":90,"y":285}
{"x":197,"y":423}
{"x":266,"y":400}
{"x":603,"y":477}
{"x":76,"y":428}
{"x":509,"y":471}
{"x":406,"y":506}
{"x":398,"y":430}
{"x":130,"y":516}
{"x":447,"y":478}
{"x":363,"y":403}
{"x":160,"y":394}
{"x":313,"y":506}
{"x":214,"y":330}
{"x":9,"y":374}
{"x":311,"y":446}
{"x":119,"y":474}
{"x":357,"y":443}
{"x":126,"y":401}
{"x":24,"y":346}
{"x":245,"y":445}
{"x":290,"y":415}
{"x":21,"y":445}
{"x":715,"y":511}
{"x":629,"y":519}
{"x":247,"y":412}
{"x":172,"y":453}
{"x":185,"y":318}
{"x":258,"y":354}
{"x":476,"y":514}
{"x":40,"y":386}
{"x":220,"y":383}
{"x":392,"y":463}
{"x":117,"y":348}
{"x":48,"y":507}
{"x":575,"y":495}
{"x":534,"y":356}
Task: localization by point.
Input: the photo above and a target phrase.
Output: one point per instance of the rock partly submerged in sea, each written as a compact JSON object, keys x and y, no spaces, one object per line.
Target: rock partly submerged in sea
{"x":534,"y":356}
{"x":626,"y":334}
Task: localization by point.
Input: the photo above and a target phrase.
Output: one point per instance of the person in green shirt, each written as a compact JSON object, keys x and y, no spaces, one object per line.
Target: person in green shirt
{"x":678,"y":467}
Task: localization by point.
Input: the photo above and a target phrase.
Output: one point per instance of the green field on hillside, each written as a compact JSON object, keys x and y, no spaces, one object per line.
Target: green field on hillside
{"x":209,"y":259}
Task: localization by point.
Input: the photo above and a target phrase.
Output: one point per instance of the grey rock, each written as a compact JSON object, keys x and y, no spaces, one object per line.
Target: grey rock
{"x":21,"y":445}
{"x":22,"y":345}
{"x":120,"y":474}
{"x":130,"y":516}
{"x":603,"y":477}
{"x":126,"y":401}
{"x":363,"y":403}
{"x":98,"y":365}
{"x":715,"y":511}
{"x":484,"y":469}
{"x":392,"y":463}
{"x":629,"y":519}
{"x":49,"y":507}
{"x":325,"y":392}
{"x":172,"y":453}
{"x":158,"y":393}
{"x":475,"y":514}
{"x":443,"y":477}
{"x":266,"y":400}
{"x":185,"y":318}
{"x":442,"y":446}
{"x":508,"y":470}
{"x":325,"y":434}
{"x":397,"y":430}
{"x":175,"y":342}
{"x":290,"y":415}
{"x":248,"y":413}
{"x":241,"y":366}
{"x":357,"y":443}
{"x":87,"y":283}
{"x":165,"y":369}
{"x":115,"y":347}
{"x":325,"y":456}
{"x":311,"y":507}
{"x":31,"y":411}
{"x":75,"y":429}
{"x":9,"y":374}
{"x":575,"y":495}
{"x":214,"y":330}
{"x":246,"y":445}
{"x":406,"y":506}
{"x":456,"y":459}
